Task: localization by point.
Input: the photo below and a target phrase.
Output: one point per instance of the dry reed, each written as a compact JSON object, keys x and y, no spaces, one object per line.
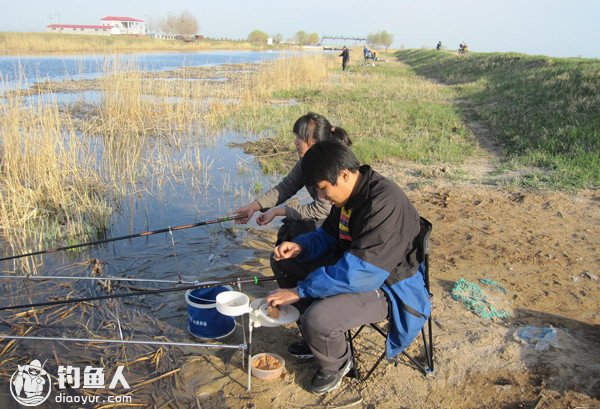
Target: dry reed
{"x":54,"y":42}
{"x":49,"y":185}
{"x":60,"y":174}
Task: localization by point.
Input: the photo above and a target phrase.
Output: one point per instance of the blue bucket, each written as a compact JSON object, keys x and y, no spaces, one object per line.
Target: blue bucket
{"x":204,"y":321}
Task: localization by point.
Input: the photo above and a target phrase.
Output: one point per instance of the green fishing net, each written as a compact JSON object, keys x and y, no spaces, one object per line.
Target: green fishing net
{"x":475,"y":299}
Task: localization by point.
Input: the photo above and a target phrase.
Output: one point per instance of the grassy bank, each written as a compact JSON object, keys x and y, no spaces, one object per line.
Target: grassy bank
{"x":545,"y":112}
{"x":387,"y":109}
{"x":27,"y":43}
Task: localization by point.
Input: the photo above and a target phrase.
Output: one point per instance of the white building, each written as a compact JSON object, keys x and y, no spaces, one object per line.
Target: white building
{"x":110,"y":25}
{"x":81,"y":29}
{"x":126,"y":25}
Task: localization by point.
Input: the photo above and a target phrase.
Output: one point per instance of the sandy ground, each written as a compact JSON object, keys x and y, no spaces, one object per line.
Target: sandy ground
{"x":542,"y":247}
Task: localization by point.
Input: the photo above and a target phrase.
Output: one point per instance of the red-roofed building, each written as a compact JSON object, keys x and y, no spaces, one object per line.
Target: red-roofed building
{"x":110,"y":25}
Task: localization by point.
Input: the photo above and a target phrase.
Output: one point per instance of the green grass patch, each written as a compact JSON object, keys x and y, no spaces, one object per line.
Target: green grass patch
{"x":545,"y":112}
{"x":387,"y":110}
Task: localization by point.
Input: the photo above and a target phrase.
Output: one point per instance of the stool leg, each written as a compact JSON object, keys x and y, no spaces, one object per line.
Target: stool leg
{"x":353,"y":373}
{"x":374,"y":366}
{"x":430,"y":345}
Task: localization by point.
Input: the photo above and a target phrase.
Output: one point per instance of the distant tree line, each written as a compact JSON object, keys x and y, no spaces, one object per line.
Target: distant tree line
{"x":304,"y":38}
{"x":301,"y":37}
{"x":375,"y":40}
{"x":184,"y":24}
{"x":380,"y":39}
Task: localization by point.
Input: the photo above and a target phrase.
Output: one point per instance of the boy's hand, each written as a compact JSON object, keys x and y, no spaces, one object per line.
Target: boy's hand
{"x":283,"y":296}
{"x":286,"y":250}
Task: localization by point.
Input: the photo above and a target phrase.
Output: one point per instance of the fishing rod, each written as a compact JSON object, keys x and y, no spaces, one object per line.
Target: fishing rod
{"x":101,"y":278}
{"x":236,"y":281}
{"x":130,"y":236}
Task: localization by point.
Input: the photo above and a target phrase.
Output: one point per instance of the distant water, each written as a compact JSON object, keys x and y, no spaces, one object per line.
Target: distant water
{"x":22,"y":71}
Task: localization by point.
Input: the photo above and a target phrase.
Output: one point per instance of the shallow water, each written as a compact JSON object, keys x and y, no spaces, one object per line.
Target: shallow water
{"x":229,"y":179}
{"x":22,"y":71}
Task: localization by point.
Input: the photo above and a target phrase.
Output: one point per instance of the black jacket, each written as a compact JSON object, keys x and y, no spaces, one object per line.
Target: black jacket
{"x":345,"y":55}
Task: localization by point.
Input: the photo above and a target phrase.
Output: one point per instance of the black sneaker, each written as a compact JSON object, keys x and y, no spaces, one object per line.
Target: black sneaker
{"x":323,"y":383}
{"x":300,"y":350}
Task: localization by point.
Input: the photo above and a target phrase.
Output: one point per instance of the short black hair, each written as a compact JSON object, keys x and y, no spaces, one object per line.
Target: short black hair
{"x":325,"y":160}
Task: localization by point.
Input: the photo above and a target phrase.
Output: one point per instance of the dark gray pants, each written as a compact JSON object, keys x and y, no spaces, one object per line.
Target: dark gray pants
{"x":290,"y":229}
{"x":324,"y":322}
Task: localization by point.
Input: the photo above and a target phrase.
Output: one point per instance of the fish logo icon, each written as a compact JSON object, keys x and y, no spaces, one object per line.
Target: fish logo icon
{"x":30,"y":385}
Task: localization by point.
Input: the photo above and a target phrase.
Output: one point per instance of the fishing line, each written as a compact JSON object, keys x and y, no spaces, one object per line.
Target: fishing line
{"x":143,"y":280}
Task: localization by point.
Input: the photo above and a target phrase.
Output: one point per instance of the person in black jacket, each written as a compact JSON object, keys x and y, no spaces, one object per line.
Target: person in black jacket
{"x":345,"y":57}
{"x":359,"y":267}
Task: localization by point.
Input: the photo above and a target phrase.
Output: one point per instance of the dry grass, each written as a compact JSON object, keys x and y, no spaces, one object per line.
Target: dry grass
{"x":256,"y":93}
{"x":54,"y":42}
{"x":290,"y":73}
{"x":49,"y":185}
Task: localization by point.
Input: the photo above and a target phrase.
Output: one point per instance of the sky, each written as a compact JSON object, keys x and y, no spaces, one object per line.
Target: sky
{"x":560,"y":28}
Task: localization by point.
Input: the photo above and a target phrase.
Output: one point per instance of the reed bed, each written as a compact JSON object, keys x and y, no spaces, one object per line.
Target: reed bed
{"x":64,"y":169}
{"x":54,"y":42}
{"x":49,"y":186}
{"x":289,"y":73}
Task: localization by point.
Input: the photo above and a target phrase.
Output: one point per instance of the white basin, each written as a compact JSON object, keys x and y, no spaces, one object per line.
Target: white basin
{"x":232,"y":303}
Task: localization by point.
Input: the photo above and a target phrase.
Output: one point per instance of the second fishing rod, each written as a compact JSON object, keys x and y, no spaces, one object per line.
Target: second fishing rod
{"x":233,"y":281}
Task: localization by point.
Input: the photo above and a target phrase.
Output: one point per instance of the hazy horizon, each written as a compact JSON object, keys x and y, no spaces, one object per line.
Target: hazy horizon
{"x":554,"y":27}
